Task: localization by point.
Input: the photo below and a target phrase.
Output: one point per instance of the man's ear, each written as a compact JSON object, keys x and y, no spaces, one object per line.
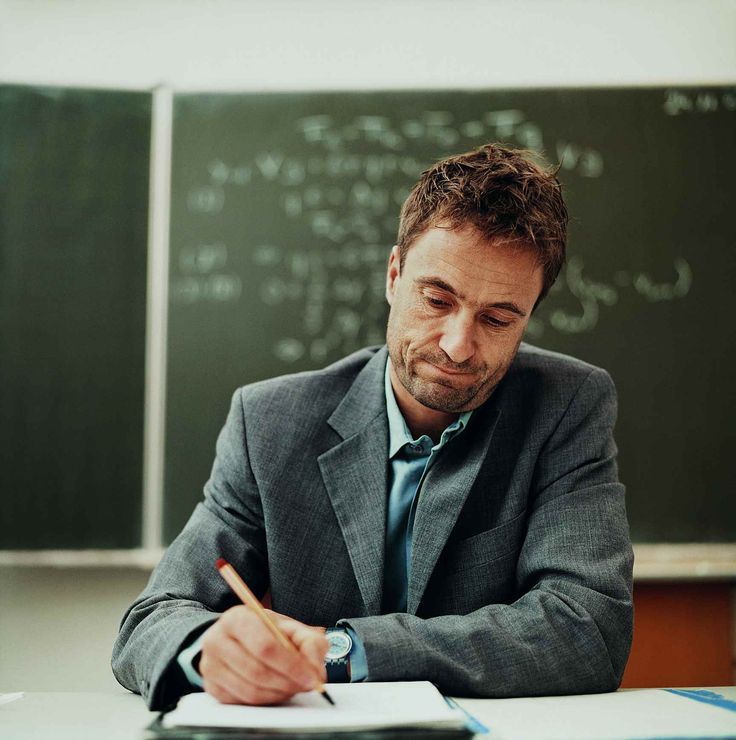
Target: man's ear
{"x":393,"y":273}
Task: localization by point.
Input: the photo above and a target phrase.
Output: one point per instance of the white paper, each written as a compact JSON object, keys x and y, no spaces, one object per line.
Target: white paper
{"x":636,"y":713}
{"x":357,"y":706}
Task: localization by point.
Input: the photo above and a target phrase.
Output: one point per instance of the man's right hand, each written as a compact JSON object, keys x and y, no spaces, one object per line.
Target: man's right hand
{"x":243,"y":663}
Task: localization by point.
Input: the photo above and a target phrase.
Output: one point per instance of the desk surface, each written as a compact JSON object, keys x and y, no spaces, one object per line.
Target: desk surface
{"x":120,"y":715}
{"x":66,"y":715}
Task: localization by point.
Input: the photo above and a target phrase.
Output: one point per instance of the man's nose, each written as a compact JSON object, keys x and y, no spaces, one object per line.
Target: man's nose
{"x":458,"y":340}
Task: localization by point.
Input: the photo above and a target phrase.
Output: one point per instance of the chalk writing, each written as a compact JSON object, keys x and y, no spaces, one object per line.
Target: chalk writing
{"x":591,"y":294}
{"x":206,"y":199}
{"x":679,"y":102}
{"x":342,"y":194}
{"x":656,"y":292}
{"x":217,"y":288}
{"x":203,"y":258}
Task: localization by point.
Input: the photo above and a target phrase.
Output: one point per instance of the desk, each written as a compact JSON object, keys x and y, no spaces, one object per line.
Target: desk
{"x":119,"y":715}
{"x":627,"y":713}
{"x":114,"y":715}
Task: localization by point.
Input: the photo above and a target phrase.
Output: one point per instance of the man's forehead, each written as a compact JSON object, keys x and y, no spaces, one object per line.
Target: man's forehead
{"x":467,"y":261}
{"x":469,"y":233}
{"x":467,"y":238}
{"x":469,"y":253}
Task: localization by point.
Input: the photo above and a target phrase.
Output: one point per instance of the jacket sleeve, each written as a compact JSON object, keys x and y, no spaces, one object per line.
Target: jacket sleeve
{"x":569,"y":629}
{"x":185,"y":594}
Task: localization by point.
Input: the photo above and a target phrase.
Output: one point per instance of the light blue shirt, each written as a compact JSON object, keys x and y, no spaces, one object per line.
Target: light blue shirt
{"x":410,"y":460}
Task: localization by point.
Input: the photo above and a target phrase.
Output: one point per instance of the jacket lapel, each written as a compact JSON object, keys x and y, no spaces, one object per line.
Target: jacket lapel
{"x":355,"y":476}
{"x":443,"y":495}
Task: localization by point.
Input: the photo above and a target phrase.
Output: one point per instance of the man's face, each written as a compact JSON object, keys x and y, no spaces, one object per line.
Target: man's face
{"x":459,"y":308}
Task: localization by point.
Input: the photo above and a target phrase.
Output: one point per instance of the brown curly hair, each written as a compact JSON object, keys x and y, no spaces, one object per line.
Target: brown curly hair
{"x":501,"y":192}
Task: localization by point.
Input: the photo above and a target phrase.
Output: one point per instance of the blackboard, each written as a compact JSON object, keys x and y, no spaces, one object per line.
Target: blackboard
{"x":73,"y":225}
{"x":284,"y":208}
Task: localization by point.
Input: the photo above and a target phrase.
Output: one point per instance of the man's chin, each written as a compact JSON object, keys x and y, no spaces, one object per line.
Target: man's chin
{"x":440,"y":397}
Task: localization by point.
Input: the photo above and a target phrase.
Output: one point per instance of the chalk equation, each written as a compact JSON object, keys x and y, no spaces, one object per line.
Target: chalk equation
{"x":334,"y":297}
{"x":590,"y":295}
{"x":201,"y":276}
{"x":340,"y":190}
{"x":214,"y":288}
{"x":681,"y":102}
{"x":378,"y":180}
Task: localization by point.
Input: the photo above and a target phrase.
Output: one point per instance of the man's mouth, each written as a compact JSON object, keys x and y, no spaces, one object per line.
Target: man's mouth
{"x":451,"y":371}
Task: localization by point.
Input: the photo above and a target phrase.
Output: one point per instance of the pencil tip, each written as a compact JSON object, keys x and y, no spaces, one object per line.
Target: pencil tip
{"x":220,"y":562}
{"x":328,"y":697}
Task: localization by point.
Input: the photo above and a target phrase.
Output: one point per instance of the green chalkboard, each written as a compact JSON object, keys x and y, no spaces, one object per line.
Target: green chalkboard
{"x":73,"y":224}
{"x":285,"y":206}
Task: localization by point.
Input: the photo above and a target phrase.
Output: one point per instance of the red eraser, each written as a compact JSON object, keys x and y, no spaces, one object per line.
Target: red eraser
{"x":220,"y":562}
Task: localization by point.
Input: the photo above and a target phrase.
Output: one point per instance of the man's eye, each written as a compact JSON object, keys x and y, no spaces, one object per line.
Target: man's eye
{"x":493,"y":321}
{"x":435,"y":302}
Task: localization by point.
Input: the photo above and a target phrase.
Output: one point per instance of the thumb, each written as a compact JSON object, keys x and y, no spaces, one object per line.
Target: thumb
{"x":310,"y":641}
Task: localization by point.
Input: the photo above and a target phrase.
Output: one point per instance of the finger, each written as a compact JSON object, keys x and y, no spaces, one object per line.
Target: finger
{"x":310,"y":641}
{"x":250,"y":691}
{"x":220,"y":649}
{"x":227,"y":688}
{"x":247,"y":665}
{"x":219,"y":692}
{"x":217,"y":670}
{"x":312,"y":644}
{"x":257,"y":640}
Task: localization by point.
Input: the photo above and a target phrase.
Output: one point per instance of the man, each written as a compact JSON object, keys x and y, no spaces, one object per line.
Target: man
{"x":448,"y":505}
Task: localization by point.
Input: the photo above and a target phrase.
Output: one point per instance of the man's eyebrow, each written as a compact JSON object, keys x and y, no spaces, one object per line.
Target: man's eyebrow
{"x":434,"y":282}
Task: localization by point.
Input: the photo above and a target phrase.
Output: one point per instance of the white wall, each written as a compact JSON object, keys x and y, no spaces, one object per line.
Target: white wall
{"x":289,"y":44}
{"x":57,"y":626}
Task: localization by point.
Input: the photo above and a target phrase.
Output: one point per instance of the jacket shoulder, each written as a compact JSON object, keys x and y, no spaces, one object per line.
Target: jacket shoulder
{"x":319,"y":389}
{"x":556,"y":375}
{"x":530,"y":357}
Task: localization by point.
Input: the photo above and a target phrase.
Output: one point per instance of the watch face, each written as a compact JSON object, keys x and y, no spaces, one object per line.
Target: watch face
{"x":340,"y":645}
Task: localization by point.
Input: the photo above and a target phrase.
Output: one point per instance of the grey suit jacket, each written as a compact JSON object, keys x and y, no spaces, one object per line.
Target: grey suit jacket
{"x":521,"y":567}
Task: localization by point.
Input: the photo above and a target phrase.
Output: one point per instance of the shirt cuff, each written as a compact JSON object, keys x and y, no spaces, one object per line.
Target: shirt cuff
{"x":185,"y":659}
{"x":358,"y":660}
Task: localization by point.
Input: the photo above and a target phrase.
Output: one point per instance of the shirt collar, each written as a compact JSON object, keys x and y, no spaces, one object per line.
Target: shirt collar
{"x":398,"y":432}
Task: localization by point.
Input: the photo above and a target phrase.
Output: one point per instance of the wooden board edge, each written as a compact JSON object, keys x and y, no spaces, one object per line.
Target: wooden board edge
{"x":139,"y":558}
{"x":712,"y":561}
{"x":716,"y":561}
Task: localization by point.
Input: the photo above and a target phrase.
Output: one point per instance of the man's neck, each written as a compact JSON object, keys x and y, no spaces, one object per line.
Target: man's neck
{"x":419,"y":418}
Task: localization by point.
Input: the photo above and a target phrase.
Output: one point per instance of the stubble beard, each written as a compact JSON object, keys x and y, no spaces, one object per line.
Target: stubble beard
{"x":443,"y":396}
{"x":436,"y":394}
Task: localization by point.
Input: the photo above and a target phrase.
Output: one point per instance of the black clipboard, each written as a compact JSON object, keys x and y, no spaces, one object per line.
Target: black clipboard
{"x":157,"y":731}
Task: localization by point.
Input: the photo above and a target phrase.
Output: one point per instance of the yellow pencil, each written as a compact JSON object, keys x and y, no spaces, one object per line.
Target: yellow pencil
{"x":242,"y":591}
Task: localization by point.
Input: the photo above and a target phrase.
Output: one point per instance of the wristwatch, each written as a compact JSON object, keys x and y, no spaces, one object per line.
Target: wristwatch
{"x":337,"y":660}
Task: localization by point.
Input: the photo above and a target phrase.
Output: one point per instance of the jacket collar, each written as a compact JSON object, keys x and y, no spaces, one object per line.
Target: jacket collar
{"x":355,"y":474}
{"x":364,"y":400}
